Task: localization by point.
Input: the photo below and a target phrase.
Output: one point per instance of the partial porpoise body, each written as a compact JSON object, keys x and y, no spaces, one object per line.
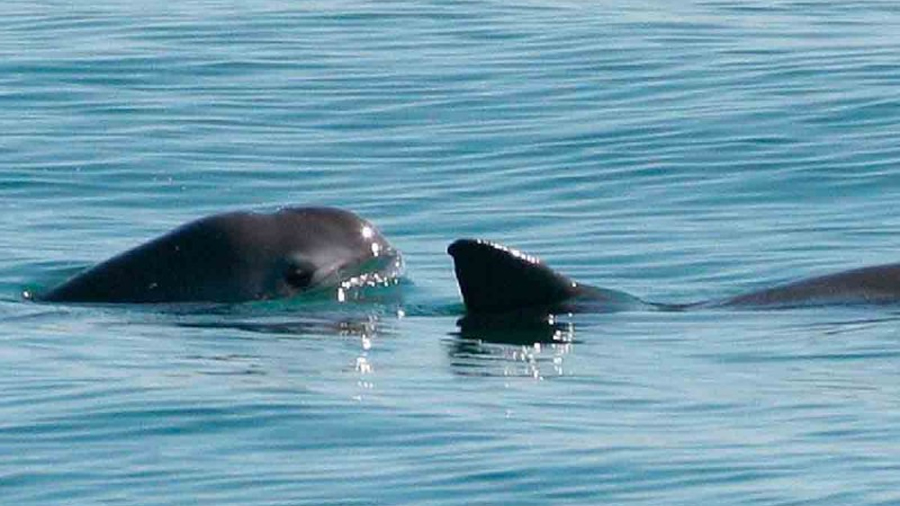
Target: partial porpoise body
{"x":240,"y":256}
{"x":497,"y":279}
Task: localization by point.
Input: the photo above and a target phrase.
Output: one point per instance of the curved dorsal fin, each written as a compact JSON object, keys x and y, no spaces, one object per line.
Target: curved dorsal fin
{"x":494,"y":278}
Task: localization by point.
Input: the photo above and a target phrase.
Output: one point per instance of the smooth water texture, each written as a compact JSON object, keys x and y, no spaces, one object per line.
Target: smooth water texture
{"x":674,"y":150}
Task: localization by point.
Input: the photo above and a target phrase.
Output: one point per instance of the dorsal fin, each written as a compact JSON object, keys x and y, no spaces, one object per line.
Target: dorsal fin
{"x":494,"y":278}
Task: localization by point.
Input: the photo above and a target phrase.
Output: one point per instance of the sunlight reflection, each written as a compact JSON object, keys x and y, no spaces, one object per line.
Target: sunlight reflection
{"x":533,"y":348}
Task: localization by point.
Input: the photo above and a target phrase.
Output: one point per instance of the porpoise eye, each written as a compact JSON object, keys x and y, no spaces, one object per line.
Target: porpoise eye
{"x":298,"y":278}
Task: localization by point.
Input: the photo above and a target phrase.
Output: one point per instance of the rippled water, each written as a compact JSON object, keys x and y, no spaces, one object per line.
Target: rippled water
{"x":678,"y":151}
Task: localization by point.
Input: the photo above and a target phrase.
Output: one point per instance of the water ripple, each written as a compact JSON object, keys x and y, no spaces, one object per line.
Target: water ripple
{"x":678,"y":152}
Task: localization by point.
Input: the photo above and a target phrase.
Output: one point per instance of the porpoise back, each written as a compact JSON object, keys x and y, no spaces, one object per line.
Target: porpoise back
{"x":496,"y":279}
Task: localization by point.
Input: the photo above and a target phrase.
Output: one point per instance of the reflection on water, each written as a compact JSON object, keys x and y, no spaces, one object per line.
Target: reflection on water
{"x":531,"y":345}
{"x":516,"y":328}
{"x":354,"y":324}
{"x":365,"y":326}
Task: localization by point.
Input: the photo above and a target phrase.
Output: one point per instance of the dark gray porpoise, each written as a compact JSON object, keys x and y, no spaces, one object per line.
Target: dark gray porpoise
{"x":237,"y":257}
{"x":496,"y":279}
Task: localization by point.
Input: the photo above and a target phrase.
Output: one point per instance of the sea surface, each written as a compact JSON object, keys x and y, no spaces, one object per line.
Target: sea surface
{"x":678,"y":151}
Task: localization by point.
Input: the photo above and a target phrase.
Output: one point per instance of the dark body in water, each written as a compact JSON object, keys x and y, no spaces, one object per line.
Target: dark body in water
{"x":237,"y":257}
{"x":496,"y":279}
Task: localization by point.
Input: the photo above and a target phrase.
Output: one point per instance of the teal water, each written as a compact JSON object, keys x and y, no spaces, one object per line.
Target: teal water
{"x":674,"y":150}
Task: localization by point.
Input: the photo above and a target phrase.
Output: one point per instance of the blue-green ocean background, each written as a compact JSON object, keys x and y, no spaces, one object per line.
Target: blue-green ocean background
{"x":674,"y":150}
